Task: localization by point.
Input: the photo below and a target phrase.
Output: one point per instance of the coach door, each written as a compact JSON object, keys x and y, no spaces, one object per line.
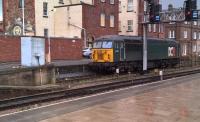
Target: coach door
{"x":119,"y":51}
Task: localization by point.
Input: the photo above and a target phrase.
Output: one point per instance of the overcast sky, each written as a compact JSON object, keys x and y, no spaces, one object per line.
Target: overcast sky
{"x":175,"y":3}
{"x":165,"y":3}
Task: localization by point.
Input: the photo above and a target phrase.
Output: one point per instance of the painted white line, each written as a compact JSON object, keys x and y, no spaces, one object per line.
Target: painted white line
{"x":108,"y":92}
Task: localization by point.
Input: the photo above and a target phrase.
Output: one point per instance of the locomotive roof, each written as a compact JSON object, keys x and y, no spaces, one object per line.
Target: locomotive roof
{"x":129,"y":38}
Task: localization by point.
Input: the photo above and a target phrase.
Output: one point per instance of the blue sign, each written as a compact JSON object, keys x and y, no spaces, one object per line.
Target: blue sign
{"x":157,"y":18}
{"x":195,"y":14}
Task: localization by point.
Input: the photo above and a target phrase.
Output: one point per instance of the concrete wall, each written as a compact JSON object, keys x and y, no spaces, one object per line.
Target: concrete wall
{"x":68,"y":21}
{"x":124,"y":16}
{"x":28,"y":77}
{"x":61,"y":49}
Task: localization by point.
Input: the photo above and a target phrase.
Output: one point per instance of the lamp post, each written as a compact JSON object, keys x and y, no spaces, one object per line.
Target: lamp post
{"x":145,"y":37}
{"x":23,"y":17}
{"x":49,"y":39}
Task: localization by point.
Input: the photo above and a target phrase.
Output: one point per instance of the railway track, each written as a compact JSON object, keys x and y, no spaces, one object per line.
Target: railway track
{"x":55,"y":95}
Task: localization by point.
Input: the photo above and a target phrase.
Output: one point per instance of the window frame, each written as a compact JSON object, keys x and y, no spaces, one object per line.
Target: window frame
{"x":112,"y":22}
{"x":103,"y":17}
{"x":46,"y":32}
{"x":45,"y":9}
{"x":130,"y":6}
{"x":112,"y":2}
{"x":129,"y":25}
{"x":185,"y":34}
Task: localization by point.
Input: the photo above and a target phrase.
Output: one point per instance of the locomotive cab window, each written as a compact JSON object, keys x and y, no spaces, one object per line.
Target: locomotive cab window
{"x":97,"y":44}
{"x":107,"y":44}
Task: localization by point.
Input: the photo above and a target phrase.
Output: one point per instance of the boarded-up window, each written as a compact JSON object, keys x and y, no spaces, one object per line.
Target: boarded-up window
{"x":103,"y":19}
{"x":112,"y":20}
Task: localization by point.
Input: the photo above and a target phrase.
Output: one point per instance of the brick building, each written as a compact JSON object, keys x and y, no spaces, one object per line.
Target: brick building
{"x":154,"y":30}
{"x":128,"y":17}
{"x":86,"y":19}
{"x":187,"y":33}
{"x":1,"y":26}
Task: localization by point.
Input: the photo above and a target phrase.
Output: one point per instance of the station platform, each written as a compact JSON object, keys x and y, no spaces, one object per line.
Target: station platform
{"x":58,"y":63}
{"x":172,"y":102}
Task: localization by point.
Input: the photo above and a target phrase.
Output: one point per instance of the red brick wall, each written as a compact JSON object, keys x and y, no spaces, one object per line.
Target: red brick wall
{"x":65,"y":49}
{"x":61,"y":49}
{"x":10,"y":49}
{"x":91,"y":18}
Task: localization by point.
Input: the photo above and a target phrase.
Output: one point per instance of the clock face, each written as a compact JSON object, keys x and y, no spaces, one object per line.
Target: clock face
{"x":17,"y":30}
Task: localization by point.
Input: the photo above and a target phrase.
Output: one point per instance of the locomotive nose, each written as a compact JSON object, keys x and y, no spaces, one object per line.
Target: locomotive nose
{"x":102,"y":55}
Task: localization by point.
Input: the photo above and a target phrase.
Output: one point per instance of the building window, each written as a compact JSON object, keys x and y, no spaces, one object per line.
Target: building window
{"x":199,"y":35}
{"x":195,"y":23}
{"x":184,"y":50}
{"x":103,"y":19}
{"x":130,"y":25}
{"x":61,"y":1}
{"x":171,"y":34}
{"x":149,"y":27}
{"x":195,"y":35}
{"x":185,"y":34}
{"x":186,"y":22}
{"x":120,"y":7}
{"x":20,"y":3}
{"x":112,"y":20}
{"x":130,"y":5}
{"x":112,"y":1}
{"x":120,"y":26}
{"x":46,"y":32}
{"x":103,"y":1}
{"x":45,"y":9}
{"x":160,"y":28}
{"x":194,"y":48}
{"x":154,"y":27}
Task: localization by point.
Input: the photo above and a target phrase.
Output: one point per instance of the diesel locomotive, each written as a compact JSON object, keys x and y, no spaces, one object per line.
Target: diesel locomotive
{"x":126,"y":53}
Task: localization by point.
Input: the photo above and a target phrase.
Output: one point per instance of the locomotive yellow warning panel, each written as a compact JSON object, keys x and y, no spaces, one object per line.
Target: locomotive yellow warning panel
{"x":102,"y":55}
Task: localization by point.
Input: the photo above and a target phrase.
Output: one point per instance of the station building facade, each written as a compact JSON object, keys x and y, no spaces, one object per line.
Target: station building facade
{"x":86,"y":19}
{"x":131,"y":17}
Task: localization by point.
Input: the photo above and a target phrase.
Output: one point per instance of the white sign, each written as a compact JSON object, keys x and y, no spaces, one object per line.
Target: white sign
{"x":171,"y":51}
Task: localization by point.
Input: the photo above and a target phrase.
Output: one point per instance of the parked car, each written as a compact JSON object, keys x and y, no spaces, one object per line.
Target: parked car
{"x":87,"y":52}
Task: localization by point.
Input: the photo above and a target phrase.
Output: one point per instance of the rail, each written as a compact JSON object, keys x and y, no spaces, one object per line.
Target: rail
{"x":56,"y":95}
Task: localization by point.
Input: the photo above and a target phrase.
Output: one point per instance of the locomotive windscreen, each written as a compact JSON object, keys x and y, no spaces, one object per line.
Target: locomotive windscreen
{"x":103,"y":44}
